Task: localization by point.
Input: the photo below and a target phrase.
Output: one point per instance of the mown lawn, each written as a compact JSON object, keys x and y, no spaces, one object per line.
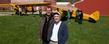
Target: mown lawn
{"x":24,"y":29}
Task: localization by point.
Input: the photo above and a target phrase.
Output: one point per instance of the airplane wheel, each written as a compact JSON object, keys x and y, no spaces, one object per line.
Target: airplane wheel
{"x":92,"y":20}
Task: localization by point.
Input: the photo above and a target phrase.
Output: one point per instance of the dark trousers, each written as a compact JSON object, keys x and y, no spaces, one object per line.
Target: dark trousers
{"x":45,"y":42}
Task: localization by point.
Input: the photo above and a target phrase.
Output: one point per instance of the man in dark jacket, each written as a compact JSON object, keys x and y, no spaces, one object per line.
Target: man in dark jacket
{"x":58,"y":33}
{"x":45,"y":23}
{"x":79,"y":16}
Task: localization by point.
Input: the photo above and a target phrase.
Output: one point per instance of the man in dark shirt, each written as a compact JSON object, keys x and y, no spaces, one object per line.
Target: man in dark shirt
{"x":45,"y":23}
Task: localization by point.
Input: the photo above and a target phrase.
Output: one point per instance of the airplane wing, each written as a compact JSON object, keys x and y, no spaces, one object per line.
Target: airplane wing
{"x":7,"y":5}
{"x":34,"y":4}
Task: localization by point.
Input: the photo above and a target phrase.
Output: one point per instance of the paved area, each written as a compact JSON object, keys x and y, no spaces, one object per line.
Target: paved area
{"x":6,"y":13}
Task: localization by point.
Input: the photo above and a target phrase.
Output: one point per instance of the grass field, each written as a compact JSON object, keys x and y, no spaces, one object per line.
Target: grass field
{"x":23,"y":30}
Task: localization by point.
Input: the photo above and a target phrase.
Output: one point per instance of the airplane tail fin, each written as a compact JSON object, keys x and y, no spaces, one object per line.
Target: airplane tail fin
{"x":94,"y":17}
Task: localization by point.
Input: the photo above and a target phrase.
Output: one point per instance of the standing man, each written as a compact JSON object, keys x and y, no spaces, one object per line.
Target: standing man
{"x":79,"y":16}
{"x":20,"y":11}
{"x":45,"y":23}
{"x":16,"y":10}
{"x":58,"y":33}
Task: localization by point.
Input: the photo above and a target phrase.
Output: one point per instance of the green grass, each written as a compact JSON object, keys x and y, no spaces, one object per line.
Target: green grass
{"x":89,"y":33}
{"x":24,"y":29}
{"x":19,"y":30}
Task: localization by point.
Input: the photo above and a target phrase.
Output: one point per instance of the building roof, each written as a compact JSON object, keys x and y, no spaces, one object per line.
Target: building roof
{"x":5,"y":1}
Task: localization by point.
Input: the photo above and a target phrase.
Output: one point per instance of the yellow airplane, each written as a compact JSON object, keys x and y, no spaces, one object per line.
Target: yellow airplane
{"x":8,"y":5}
{"x":94,"y":17}
{"x":25,"y":7}
{"x":29,"y":6}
